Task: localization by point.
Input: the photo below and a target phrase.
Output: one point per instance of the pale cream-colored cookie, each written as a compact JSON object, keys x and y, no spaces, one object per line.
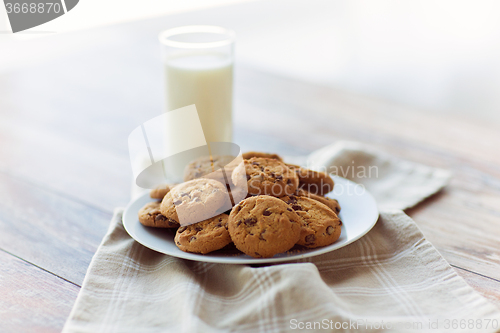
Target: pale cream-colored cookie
{"x":195,"y":201}
{"x":167,"y":208}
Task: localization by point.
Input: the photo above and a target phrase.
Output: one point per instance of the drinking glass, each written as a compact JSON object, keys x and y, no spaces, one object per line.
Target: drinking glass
{"x":198,"y":69}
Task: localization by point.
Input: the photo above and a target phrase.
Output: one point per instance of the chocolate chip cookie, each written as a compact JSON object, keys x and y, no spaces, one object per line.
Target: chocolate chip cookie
{"x":160,"y":191}
{"x":263,"y":226}
{"x":167,"y":208}
{"x":265,"y":176}
{"x":333,"y":204}
{"x":204,"y":237}
{"x":250,"y":154}
{"x":211,"y":167}
{"x":314,"y":182}
{"x":320,"y":225}
{"x":150,"y":216}
{"x":195,"y":201}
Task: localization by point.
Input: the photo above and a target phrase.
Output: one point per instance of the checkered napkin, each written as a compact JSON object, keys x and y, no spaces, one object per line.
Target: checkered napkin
{"x":391,"y":280}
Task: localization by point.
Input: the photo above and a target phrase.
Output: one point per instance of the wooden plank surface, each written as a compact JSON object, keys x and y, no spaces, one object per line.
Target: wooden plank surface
{"x":48,"y":229}
{"x":33,"y":300}
{"x":64,"y":164}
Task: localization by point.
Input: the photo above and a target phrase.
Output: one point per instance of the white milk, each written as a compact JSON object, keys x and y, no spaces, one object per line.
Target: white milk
{"x":205,"y":80}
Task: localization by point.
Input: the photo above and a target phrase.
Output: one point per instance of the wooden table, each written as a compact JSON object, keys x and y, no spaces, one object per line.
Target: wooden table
{"x":64,"y":162}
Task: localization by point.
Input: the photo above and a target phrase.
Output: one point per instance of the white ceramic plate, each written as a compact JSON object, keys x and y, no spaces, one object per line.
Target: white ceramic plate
{"x":359,"y":214}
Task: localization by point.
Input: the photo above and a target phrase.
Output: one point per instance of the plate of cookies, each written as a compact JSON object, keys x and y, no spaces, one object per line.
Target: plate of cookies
{"x":252,"y":209}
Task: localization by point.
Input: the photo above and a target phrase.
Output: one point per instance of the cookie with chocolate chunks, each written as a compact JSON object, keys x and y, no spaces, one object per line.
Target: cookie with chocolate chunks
{"x":160,"y":191}
{"x":314,"y":182}
{"x":150,"y":216}
{"x":205,"y":236}
{"x":250,"y":154}
{"x":263,"y":226}
{"x":320,"y":226}
{"x":333,"y":204}
{"x":217,"y":167}
{"x":265,"y":176}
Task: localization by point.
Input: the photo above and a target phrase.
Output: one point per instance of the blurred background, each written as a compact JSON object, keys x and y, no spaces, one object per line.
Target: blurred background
{"x":439,"y":56}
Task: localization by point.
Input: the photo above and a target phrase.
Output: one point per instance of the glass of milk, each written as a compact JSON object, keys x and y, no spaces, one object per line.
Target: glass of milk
{"x":198,"y":67}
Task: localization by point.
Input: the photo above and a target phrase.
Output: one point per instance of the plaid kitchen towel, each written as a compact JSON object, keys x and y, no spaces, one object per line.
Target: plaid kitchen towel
{"x":391,"y":280}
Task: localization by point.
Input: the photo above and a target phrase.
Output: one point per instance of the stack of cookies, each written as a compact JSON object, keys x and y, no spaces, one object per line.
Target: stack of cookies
{"x":283,"y":205}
